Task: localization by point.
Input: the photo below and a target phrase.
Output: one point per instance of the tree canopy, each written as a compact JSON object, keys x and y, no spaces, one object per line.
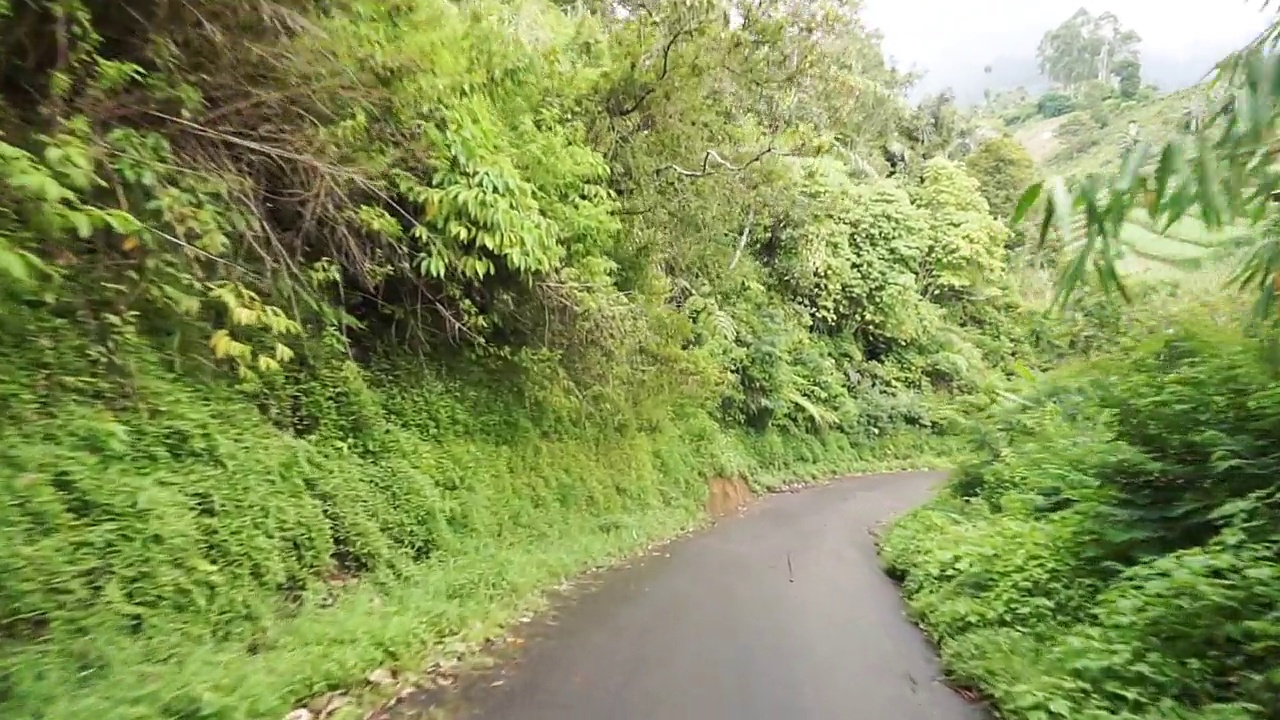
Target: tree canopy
{"x":1089,"y":47}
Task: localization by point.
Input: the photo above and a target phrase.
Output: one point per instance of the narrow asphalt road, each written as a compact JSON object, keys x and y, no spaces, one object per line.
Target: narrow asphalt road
{"x":781,"y":614}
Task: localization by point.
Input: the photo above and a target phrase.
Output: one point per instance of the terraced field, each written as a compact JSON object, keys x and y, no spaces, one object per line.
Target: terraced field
{"x":1150,"y":251}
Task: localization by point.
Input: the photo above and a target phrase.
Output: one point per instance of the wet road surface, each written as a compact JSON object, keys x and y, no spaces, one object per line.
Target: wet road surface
{"x":781,"y":614}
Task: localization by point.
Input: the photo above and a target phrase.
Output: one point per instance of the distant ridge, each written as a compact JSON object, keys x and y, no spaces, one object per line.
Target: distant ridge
{"x":1167,"y":71}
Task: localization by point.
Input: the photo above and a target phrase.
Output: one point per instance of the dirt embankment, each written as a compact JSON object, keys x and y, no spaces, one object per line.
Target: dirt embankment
{"x":727,"y":496}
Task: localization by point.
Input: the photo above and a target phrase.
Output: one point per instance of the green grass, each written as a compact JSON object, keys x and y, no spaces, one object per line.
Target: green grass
{"x":1149,"y":253}
{"x":1168,"y":246}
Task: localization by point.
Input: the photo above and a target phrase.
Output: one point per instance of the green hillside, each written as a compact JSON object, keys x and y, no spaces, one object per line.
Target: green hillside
{"x":1093,"y":139}
{"x":1150,"y":250}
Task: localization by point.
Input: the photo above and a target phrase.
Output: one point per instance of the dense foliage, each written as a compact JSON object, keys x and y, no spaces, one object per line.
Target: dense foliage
{"x":1005,"y":169}
{"x":335,"y":330}
{"x":1112,"y":550}
{"x":1054,"y":104}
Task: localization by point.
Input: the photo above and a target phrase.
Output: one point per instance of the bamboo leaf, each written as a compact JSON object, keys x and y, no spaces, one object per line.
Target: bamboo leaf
{"x":1170,"y":160}
{"x":1026,"y":202}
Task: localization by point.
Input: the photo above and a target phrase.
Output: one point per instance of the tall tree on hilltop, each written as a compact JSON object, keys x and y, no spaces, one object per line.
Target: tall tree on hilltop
{"x":1087,"y":47}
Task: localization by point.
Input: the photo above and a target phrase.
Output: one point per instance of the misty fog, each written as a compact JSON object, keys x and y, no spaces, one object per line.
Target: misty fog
{"x":952,"y":42}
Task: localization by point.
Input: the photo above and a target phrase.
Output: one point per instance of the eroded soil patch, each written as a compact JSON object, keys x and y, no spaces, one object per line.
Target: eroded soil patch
{"x":727,"y":496}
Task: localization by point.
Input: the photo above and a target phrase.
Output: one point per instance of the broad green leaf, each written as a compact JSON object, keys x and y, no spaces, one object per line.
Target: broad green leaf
{"x":82,"y":223}
{"x":1026,"y":202}
{"x":14,"y":265}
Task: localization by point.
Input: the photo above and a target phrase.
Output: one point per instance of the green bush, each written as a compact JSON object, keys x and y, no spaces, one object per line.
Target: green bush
{"x":1005,"y":170}
{"x":1115,"y":549}
{"x":1020,"y":114}
{"x":1079,"y":131}
{"x":1054,"y":104}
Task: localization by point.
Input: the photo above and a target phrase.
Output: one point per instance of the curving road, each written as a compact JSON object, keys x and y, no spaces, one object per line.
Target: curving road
{"x":781,"y":614}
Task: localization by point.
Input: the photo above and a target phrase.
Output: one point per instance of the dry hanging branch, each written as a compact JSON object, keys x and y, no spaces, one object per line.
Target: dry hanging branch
{"x":706,"y":168}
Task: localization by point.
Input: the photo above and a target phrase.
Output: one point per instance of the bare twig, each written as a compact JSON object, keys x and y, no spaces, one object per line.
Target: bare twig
{"x":207,"y":255}
{"x":290,"y":155}
{"x":63,"y":43}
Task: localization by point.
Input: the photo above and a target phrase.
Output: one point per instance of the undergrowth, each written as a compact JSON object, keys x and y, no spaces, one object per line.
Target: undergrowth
{"x":1114,"y":549}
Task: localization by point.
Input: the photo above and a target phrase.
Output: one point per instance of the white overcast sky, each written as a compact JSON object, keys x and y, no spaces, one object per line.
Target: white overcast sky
{"x":945,"y":37}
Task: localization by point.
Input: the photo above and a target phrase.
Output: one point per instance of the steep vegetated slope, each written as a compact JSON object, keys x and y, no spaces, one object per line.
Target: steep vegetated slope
{"x":334,"y":331}
{"x":1111,"y":551}
{"x":1111,"y":548}
{"x":1093,"y":137}
{"x":1089,"y":131}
